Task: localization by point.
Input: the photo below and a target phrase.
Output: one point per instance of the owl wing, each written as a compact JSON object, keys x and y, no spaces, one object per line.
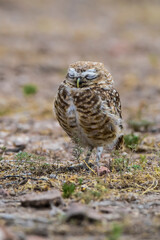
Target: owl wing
{"x":111,"y":99}
{"x":114,"y":101}
{"x":61,"y":105}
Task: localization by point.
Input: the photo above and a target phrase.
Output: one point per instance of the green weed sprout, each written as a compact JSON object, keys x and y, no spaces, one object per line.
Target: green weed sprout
{"x":131,"y":141}
{"x":29,"y":89}
{"x":68,"y":189}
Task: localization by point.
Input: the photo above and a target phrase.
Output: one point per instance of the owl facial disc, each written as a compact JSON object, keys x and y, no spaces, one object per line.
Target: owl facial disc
{"x":88,"y":74}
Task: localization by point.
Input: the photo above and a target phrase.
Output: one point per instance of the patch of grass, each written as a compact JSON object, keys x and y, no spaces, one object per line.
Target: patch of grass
{"x":29,"y":162}
{"x":136,"y":166}
{"x":140,"y":125}
{"x":92,"y":194}
{"x":25,"y":161}
{"x":77,"y":149}
{"x":68,"y":189}
{"x":96,"y":194}
{"x":131,"y":141}
{"x":24,"y":156}
{"x":143,"y":159}
{"x":3,"y":149}
{"x":120,"y":164}
{"x":88,"y":195}
{"x":116,"y":232}
{"x":80,"y":181}
{"x":30,"y":89}
{"x":43,"y":169}
{"x":4,"y":111}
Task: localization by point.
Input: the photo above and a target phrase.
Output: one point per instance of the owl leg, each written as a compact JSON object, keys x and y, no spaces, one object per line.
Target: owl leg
{"x":98,"y":157}
{"x":100,"y":170}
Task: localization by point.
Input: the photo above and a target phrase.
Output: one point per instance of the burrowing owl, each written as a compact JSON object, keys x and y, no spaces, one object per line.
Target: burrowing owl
{"x":88,"y":108}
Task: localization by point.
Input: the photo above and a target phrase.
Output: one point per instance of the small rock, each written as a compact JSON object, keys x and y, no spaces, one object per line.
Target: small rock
{"x":38,"y":200}
{"x":55,"y":210}
{"x":12,"y":193}
{"x":80,"y":212}
{"x":58,"y":145}
{"x":124,"y":154}
{"x":129,"y":197}
{"x":53,"y":176}
{"x":21,"y":140}
{"x":35,"y":237}
{"x":3,"y":192}
{"x":23,"y":127}
{"x":5,"y":234}
{"x":112,"y":216}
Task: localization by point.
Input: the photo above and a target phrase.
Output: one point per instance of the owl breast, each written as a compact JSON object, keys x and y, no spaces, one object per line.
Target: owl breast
{"x":86,"y":116}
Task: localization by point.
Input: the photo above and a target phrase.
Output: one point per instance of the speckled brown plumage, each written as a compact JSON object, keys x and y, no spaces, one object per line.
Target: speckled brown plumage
{"x":88,"y":107}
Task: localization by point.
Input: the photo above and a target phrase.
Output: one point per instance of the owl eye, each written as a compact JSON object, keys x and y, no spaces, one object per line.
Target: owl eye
{"x":71,"y":75}
{"x":91,"y":76}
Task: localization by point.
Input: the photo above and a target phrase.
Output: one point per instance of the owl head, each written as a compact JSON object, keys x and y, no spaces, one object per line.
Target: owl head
{"x":84,"y":73}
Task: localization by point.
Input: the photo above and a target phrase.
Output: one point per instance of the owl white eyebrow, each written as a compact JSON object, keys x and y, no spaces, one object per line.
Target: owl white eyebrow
{"x":90,"y":72}
{"x":72,"y":71}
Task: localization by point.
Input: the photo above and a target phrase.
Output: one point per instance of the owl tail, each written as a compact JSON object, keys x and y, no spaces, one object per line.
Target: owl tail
{"x":120,"y":143}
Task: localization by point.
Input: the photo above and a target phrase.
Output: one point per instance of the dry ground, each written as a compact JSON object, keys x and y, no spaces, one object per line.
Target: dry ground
{"x":38,"y":39}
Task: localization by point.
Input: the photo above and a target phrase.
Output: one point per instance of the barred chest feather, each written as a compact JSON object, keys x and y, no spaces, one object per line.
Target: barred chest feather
{"x":88,"y":115}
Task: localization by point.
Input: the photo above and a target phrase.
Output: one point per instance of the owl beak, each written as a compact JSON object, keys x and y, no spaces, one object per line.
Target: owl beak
{"x":78,"y":82}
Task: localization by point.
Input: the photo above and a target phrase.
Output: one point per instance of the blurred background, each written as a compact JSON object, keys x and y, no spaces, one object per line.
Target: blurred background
{"x":39,"y":39}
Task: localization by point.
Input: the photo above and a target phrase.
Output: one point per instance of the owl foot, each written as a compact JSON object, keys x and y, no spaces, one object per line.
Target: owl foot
{"x":102,"y":170}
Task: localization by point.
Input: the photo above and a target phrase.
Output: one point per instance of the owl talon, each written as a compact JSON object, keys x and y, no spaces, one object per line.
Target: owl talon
{"x":102,"y":171}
